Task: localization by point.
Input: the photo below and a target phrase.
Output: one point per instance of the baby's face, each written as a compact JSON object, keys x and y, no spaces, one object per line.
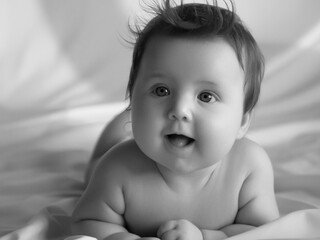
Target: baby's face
{"x":187,"y":102}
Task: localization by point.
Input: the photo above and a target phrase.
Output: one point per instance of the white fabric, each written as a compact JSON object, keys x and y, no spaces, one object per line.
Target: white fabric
{"x":63,"y":75}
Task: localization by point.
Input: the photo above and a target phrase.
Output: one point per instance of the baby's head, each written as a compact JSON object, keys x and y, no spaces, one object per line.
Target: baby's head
{"x":203,"y":22}
{"x":194,"y":81}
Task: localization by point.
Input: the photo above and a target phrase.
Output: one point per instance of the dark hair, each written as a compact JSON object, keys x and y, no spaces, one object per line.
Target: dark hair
{"x":198,"y":21}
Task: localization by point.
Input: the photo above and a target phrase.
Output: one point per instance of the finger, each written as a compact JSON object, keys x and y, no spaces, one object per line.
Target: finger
{"x":170,"y":235}
{"x":165,"y":227}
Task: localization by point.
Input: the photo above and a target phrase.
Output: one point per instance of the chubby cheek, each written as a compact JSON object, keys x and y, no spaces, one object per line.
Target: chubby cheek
{"x":145,"y":124}
{"x":140,"y":119}
{"x":216,"y":138}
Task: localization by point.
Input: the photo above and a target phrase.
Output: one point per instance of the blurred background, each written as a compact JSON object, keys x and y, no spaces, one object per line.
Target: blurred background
{"x":65,"y":54}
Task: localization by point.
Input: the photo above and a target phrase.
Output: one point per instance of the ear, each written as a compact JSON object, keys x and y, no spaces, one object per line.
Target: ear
{"x":245,"y":124}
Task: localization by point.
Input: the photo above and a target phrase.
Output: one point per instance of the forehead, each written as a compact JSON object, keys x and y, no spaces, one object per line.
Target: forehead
{"x":193,"y":58}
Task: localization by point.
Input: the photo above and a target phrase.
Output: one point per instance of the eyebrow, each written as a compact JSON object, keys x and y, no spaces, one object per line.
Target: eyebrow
{"x":157,"y":75}
{"x":206,"y":82}
{"x":154,"y":77}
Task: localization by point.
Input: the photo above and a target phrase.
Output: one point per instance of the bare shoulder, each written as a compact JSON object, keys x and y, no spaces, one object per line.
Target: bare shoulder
{"x":251,"y":155}
{"x":247,"y":162}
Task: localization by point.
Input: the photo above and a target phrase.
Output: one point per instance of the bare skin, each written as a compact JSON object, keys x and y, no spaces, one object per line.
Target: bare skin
{"x":118,"y":130}
{"x":188,"y":172}
{"x":170,"y":197}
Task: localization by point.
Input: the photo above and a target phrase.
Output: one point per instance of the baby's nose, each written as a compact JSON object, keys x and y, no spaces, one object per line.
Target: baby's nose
{"x":180,"y":111}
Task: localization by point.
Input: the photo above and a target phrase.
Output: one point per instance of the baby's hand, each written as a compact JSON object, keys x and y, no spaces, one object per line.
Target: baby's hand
{"x":179,"y":229}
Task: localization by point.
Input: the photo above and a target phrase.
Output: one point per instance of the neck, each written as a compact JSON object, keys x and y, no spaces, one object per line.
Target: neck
{"x":191,"y":181}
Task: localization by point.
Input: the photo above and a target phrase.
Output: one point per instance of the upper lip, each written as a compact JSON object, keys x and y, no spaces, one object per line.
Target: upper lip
{"x":179,"y":134}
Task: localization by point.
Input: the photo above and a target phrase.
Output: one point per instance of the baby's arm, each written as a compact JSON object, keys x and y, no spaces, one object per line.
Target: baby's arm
{"x":257,"y":202}
{"x":99,"y":213}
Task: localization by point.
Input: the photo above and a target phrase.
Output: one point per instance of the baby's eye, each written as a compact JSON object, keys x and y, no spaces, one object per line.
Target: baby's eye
{"x":207,"y":97}
{"x":161,"y":91}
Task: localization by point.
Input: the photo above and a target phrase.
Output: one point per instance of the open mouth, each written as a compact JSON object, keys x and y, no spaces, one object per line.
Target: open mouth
{"x":180,"y":141}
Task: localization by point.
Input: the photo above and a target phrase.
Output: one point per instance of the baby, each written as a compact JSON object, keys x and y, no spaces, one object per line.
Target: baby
{"x":188,"y":171}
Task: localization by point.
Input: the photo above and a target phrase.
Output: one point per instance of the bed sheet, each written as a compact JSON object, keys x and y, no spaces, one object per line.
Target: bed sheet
{"x":43,"y":161}
{"x":63,"y":75}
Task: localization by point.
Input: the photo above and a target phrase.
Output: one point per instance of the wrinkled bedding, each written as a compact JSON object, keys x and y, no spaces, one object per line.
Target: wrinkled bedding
{"x":42,"y":166}
{"x":63,"y":74}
